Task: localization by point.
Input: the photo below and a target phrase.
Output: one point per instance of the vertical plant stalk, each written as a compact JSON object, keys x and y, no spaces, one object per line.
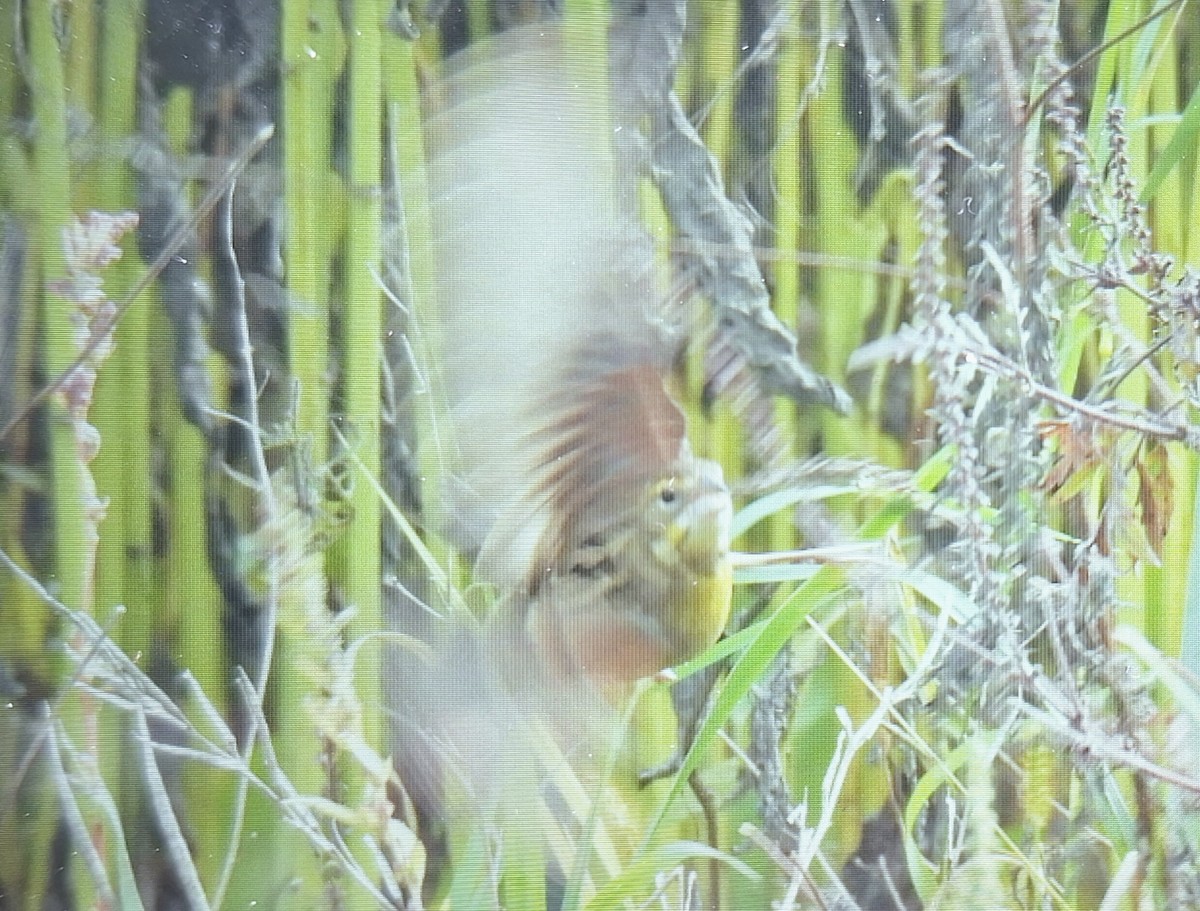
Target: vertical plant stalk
{"x":362,"y":332}
{"x":844,"y":297}
{"x":409,"y":271}
{"x":313,"y":54}
{"x":51,"y":164}
{"x":718,"y":57}
{"x":314,"y":51}
{"x":356,"y":563}
{"x":73,"y":539}
{"x":80,"y":72}
{"x":26,"y":794}
{"x":1168,"y":219}
{"x":90,"y":244}
{"x":409,"y":276}
{"x":9,"y":80}
{"x":717,"y":78}
{"x":1190,"y":603}
{"x":789,"y":183}
{"x":102,"y":75}
{"x":123,"y":403}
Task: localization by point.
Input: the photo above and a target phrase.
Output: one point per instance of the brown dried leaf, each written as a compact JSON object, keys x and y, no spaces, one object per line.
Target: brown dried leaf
{"x":1080,"y":456}
{"x":1156,"y":493}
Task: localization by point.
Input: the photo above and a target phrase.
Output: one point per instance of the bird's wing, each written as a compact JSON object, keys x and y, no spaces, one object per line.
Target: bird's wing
{"x":552,"y":354}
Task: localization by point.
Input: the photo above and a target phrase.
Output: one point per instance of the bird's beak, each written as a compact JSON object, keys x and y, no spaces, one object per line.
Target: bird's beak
{"x":701,"y":531}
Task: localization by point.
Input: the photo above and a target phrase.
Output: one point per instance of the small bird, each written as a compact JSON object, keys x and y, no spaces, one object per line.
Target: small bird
{"x":575,"y":488}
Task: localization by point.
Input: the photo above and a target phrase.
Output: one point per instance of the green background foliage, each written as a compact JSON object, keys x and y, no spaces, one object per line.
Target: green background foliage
{"x":974,"y":685}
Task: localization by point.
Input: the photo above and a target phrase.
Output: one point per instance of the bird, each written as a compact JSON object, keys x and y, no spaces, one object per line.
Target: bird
{"x":565,"y":473}
{"x":572,"y":485}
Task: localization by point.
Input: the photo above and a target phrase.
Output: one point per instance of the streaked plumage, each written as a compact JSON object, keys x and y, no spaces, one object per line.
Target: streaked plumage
{"x":575,"y":486}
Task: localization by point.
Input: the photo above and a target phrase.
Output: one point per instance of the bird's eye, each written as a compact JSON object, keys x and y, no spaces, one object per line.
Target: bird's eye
{"x":667,"y":495}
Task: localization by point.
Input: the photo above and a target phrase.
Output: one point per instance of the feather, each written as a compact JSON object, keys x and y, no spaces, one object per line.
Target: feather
{"x":552,"y":344}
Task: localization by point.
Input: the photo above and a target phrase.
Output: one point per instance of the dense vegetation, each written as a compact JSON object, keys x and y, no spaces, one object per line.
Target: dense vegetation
{"x":964,"y":663}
